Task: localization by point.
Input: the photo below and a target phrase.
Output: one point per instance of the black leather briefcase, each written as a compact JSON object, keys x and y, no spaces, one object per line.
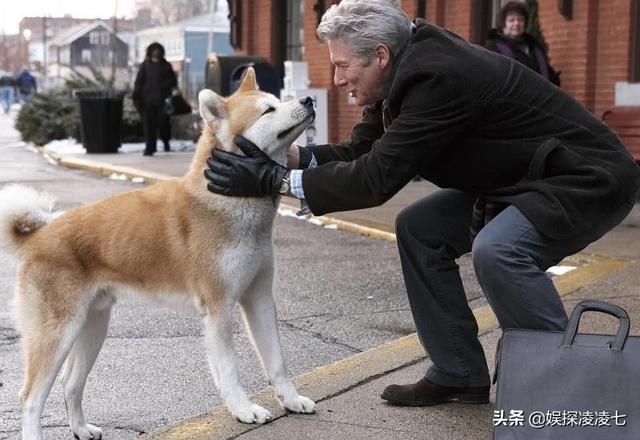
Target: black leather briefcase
{"x":569,"y":385}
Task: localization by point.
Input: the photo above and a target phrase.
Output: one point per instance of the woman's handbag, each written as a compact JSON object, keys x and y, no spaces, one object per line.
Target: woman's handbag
{"x":569,"y":385}
{"x":175,"y":105}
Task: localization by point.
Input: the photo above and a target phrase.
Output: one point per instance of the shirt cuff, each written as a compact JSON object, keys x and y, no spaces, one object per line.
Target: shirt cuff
{"x":295,"y":179}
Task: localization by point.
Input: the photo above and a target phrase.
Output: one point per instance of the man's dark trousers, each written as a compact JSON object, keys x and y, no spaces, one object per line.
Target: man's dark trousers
{"x":154,"y":119}
{"x":510,"y":258}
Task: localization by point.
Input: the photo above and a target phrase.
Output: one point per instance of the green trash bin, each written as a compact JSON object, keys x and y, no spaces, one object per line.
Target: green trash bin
{"x":101,"y":119}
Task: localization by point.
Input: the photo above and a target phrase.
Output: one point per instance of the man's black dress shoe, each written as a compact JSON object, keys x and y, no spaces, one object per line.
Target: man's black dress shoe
{"x":425,"y":393}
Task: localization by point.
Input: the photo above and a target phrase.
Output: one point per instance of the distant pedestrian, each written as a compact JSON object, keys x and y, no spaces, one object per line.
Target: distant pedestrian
{"x":155,"y":82}
{"x":7,"y":88}
{"x":27,"y":86}
{"x":512,"y":40}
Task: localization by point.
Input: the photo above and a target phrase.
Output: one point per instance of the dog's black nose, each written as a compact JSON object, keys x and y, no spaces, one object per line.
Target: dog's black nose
{"x":307,"y":102}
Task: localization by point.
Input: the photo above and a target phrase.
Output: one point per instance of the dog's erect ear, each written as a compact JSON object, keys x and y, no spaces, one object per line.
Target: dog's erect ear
{"x":212,"y":106}
{"x":249,"y":82}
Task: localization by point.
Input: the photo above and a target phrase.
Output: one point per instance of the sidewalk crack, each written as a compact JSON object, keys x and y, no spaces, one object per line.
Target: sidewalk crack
{"x":324,"y":338}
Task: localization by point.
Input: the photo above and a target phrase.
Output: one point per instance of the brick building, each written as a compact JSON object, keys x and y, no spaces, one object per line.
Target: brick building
{"x":594,"y":43}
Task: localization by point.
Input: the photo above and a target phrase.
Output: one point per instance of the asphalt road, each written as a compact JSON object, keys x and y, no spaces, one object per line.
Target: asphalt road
{"x":337,"y":294}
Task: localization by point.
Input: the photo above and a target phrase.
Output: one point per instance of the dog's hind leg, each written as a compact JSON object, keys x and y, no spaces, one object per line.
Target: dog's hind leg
{"x":222,"y":360}
{"x":47,"y":338}
{"x":259,"y":313}
{"x":80,"y":361}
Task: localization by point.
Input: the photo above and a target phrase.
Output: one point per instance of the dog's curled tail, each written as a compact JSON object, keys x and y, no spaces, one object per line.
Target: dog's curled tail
{"x":23,"y":210}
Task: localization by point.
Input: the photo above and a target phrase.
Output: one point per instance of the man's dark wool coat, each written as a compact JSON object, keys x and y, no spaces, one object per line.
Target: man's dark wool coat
{"x":467,"y":118}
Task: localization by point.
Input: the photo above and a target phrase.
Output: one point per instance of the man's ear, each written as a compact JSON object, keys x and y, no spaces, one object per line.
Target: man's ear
{"x":212,"y":106}
{"x":249,"y":82}
{"x":383,"y":55}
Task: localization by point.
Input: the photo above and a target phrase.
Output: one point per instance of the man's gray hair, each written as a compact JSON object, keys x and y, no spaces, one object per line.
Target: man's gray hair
{"x":363,"y":24}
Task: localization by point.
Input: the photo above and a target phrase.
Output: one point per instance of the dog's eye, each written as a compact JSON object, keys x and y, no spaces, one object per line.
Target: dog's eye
{"x":269,"y":110}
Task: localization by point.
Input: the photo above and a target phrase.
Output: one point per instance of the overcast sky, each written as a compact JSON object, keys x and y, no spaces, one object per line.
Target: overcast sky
{"x":12,"y":11}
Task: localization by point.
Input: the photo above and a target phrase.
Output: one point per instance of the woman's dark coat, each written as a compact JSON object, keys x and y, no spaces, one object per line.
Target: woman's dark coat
{"x":155,"y":80}
{"x":468,"y":118}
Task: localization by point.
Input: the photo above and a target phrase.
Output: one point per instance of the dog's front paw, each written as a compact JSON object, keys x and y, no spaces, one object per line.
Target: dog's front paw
{"x":87,"y":432}
{"x":300,"y":404}
{"x":253,"y":414}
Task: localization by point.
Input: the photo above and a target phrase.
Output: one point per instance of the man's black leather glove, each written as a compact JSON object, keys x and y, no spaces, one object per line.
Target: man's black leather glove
{"x":252,"y":175}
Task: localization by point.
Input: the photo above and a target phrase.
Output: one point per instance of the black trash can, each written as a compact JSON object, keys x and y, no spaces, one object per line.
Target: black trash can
{"x":101,"y":117}
{"x":267,"y":77}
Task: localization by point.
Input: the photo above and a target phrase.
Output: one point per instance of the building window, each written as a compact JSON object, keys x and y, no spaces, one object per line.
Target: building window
{"x":65,"y":56}
{"x":422,"y":9}
{"x":85,"y":56}
{"x":94,"y":38}
{"x":482,"y":20}
{"x":104,"y":38}
{"x":295,"y":30}
{"x":635,"y":43}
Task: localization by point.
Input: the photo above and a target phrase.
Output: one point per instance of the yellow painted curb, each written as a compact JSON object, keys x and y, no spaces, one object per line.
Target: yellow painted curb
{"x":341,"y":225}
{"x":97,"y":167}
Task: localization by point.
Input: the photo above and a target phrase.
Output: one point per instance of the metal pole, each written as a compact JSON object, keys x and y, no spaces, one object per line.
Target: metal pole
{"x":213,"y":8}
{"x":113,"y":45}
{"x":44,"y":46}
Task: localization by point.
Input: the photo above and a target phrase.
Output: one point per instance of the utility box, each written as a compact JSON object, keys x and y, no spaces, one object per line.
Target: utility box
{"x":296,"y":86}
{"x":627,"y":94}
{"x":318,"y":132}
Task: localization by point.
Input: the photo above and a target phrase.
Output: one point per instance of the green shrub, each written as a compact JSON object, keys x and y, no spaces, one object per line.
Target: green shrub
{"x":49,"y":116}
{"x":55,"y":114}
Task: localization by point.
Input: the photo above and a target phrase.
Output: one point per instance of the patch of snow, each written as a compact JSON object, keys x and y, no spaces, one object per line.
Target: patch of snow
{"x":176,"y":145}
{"x":560,"y":270}
{"x":65,"y":146}
{"x":116,"y":176}
{"x":71,"y":146}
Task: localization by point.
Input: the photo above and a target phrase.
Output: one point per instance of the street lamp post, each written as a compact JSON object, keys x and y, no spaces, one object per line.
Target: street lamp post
{"x":44,"y":46}
{"x":26,"y":34}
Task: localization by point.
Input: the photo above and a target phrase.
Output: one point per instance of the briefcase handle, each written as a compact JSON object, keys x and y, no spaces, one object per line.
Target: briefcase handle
{"x":592,"y":305}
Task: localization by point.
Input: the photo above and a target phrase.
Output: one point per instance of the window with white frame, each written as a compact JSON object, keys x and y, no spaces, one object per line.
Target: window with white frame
{"x":85,"y":56}
{"x":65,"y":55}
{"x":295,"y":30}
{"x":94,"y":37}
{"x":105,"y":38}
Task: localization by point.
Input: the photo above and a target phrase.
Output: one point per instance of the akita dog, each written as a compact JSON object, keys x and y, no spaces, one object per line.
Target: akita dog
{"x":171,"y":239}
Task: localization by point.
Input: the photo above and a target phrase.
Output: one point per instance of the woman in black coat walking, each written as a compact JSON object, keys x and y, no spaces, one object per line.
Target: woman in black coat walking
{"x":154,"y":83}
{"x":512,"y":41}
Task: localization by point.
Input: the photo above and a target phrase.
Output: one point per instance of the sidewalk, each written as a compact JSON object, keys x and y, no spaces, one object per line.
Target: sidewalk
{"x":348,"y":391}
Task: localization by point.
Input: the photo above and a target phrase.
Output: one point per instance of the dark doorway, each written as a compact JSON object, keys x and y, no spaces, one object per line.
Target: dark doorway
{"x":634,"y":74}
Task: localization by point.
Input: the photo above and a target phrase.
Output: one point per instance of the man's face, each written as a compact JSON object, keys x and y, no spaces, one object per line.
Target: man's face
{"x":513,"y":25}
{"x":363,"y":82}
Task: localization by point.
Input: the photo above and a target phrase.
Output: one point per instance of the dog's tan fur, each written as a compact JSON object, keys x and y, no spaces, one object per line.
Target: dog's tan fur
{"x":164,"y":239}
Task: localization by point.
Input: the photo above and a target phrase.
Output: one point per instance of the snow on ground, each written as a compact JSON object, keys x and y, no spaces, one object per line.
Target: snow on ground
{"x":71,"y":146}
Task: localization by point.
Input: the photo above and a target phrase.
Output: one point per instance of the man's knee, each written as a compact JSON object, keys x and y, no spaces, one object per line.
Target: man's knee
{"x":404,"y":222}
{"x":412,"y":223}
{"x":488,"y":254}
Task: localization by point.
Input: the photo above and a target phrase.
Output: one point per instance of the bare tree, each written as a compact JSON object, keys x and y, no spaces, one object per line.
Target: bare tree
{"x":171,"y":11}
